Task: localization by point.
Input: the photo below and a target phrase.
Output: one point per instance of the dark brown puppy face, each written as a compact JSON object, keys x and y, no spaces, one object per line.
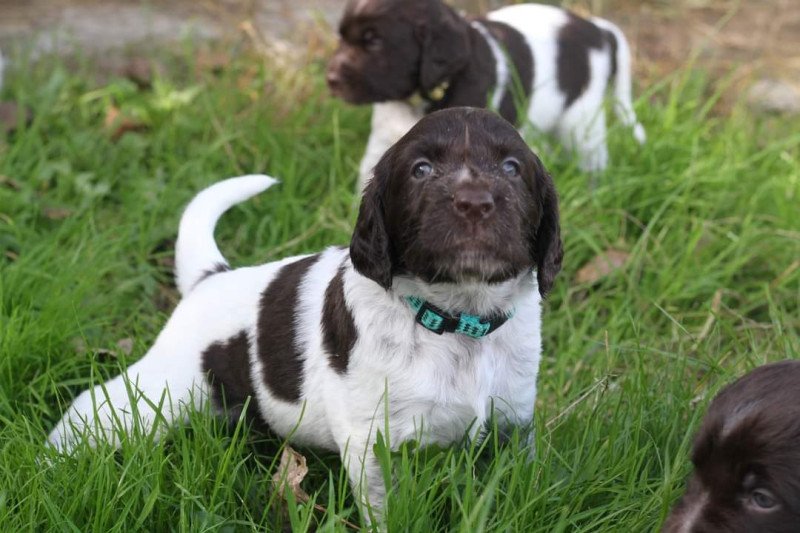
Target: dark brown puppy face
{"x":747,"y":458}
{"x":459,"y":198}
{"x":388,"y":49}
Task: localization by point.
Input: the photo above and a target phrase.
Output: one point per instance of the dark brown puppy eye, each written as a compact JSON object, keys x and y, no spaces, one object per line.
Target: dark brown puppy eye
{"x":422,"y":169}
{"x":370,"y":39}
{"x":763,"y":499}
{"x":511,"y":168}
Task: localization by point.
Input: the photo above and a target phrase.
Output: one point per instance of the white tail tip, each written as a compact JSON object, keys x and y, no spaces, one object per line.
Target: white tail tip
{"x":639,"y":133}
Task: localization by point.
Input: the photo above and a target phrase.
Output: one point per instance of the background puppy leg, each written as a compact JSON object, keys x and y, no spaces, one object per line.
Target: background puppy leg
{"x":167,"y":380}
{"x":584,"y":132}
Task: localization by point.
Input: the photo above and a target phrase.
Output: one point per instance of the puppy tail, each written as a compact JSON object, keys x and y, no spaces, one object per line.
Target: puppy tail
{"x":623,"y":104}
{"x":196,"y":253}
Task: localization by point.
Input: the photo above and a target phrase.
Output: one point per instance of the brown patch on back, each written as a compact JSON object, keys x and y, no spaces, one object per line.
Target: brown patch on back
{"x":575,"y":39}
{"x":339,"y":332}
{"x":514,"y":106}
{"x":277,"y":331}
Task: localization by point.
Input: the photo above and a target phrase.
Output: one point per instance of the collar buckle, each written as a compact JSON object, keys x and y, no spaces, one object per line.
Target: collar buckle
{"x":434,"y":319}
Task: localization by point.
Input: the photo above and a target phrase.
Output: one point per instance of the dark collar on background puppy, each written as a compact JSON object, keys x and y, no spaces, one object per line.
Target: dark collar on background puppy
{"x":438,"y":321}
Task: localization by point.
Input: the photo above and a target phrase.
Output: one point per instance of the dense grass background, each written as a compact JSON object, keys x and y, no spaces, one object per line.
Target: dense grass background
{"x":707,"y":209}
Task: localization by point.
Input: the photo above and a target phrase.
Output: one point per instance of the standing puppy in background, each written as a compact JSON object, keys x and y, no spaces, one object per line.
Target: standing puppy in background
{"x":530,"y":63}
{"x":428,"y":325}
{"x":746,"y":458}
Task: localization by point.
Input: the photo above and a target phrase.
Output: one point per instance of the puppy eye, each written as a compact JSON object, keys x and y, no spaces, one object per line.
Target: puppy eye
{"x":422,"y":169}
{"x":511,"y":168}
{"x":763,"y":499}
{"x":370,"y":39}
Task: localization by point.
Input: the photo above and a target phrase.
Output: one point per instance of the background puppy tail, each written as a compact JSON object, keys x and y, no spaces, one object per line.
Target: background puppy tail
{"x":196,"y":252}
{"x":623,"y":102}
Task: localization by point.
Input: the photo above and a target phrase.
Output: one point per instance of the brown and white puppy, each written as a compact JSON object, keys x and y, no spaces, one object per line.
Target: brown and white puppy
{"x":429,"y":324}
{"x":531,"y":63}
{"x":747,"y":458}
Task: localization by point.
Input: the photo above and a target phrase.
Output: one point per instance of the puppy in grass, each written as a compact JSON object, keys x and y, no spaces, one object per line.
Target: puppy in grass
{"x":746,"y":458}
{"x":431,"y":317}
{"x":533,"y":64}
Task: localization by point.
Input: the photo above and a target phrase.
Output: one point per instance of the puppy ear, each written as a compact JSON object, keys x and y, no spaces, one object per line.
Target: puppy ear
{"x":445,"y":47}
{"x":546,"y":248}
{"x":369,"y":247}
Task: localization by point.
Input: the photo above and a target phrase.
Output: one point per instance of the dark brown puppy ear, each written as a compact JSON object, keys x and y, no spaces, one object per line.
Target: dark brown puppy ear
{"x":546,"y":248}
{"x":369,"y":247}
{"x":445,"y":47}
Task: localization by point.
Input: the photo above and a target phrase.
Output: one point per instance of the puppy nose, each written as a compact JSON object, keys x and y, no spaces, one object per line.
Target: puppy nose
{"x":473,"y":204}
{"x":333,"y":78}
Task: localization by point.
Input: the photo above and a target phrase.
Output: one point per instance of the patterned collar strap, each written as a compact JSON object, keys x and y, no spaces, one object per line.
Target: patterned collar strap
{"x":439,"y":321}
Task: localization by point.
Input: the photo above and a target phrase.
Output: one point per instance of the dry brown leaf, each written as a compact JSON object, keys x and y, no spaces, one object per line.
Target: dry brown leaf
{"x":79,"y":345}
{"x":212,"y":61}
{"x":291,"y":472}
{"x":10,"y":116}
{"x":139,"y":70}
{"x":602,"y":265}
{"x":118,"y":124}
{"x":56,"y":213}
{"x":125,"y":345}
{"x":11,"y":183}
{"x":104,"y":354}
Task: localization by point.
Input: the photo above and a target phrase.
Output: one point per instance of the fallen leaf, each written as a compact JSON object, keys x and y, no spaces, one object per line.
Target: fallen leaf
{"x":125,"y":345}
{"x":11,"y":183}
{"x":601,"y":266}
{"x":140,"y":71}
{"x":79,"y":345}
{"x":118,"y":124}
{"x":213,"y":61}
{"x":104,"y":354}
{"x":291,"y":472}
{"x":56,"y":213}
{"x":10,"y":116}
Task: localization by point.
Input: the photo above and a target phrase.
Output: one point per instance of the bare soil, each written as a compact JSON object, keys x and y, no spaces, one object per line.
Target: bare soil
{"x":741,"y":40}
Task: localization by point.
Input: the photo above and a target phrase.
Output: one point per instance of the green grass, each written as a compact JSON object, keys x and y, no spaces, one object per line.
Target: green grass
{"x":708,"y":210}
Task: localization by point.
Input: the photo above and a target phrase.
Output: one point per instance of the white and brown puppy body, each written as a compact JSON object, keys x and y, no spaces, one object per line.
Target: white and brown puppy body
{"x":531,"y":63}
{"x":461,"y":214}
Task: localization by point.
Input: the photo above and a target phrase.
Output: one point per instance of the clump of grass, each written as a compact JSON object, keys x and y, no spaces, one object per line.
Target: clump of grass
{"x":706,"y":211}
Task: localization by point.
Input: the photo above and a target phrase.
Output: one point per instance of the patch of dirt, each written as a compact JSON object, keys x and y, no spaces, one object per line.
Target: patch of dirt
{"x":737,"y":39}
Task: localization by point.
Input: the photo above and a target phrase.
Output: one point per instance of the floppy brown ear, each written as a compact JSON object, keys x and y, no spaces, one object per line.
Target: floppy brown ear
{"x":445,"y":47}
{"x":547,"y":251}
{"x":369,"y":247}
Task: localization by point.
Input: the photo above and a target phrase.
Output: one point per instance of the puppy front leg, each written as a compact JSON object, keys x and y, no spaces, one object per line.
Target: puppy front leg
{"x":366,"y":478}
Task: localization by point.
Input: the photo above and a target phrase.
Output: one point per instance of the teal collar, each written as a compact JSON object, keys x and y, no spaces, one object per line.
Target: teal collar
{"x":439,"y":321}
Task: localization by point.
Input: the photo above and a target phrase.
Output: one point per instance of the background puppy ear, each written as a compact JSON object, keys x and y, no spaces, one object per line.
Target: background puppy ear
{"x":547,"y":251}
{"x":369,"y":247}
{"x":445,"y":47}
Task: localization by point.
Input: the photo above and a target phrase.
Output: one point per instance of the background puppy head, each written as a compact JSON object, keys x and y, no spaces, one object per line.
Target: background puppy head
{"x":747,"y":458}
{"x":461,"y":197}
{"x":388,"y":49}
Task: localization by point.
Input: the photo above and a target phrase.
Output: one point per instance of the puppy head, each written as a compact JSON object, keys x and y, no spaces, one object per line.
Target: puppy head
{"x":388,"y":49}
{"x":747,"y":458}
{"x":459,"y":198}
